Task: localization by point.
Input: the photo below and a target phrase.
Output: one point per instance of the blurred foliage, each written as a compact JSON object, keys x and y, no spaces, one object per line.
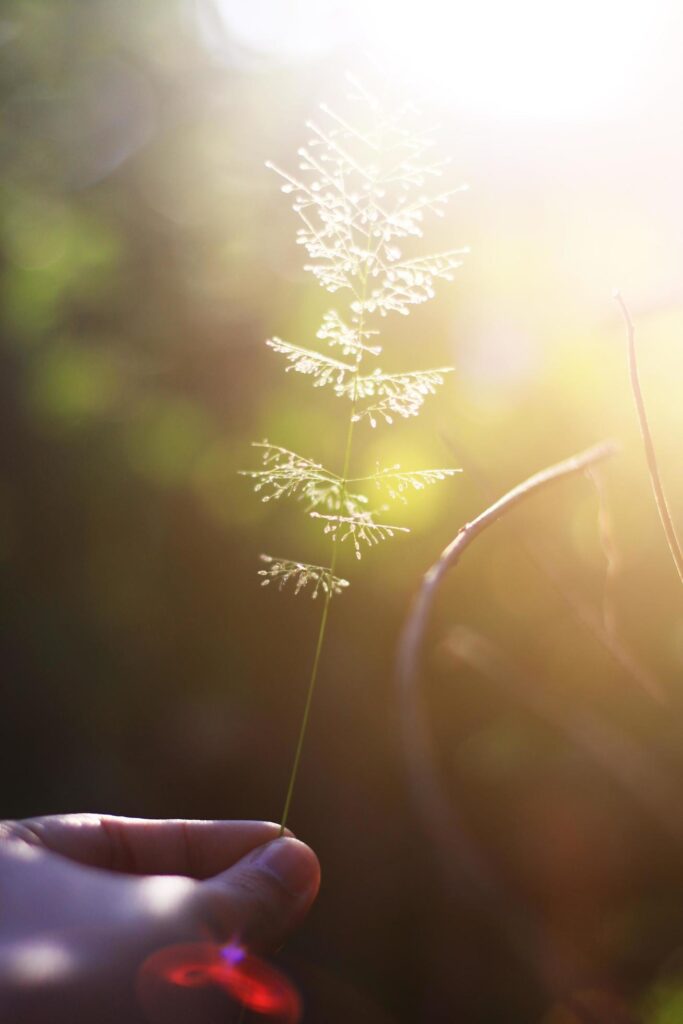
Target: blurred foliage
{"x":145,"y":256}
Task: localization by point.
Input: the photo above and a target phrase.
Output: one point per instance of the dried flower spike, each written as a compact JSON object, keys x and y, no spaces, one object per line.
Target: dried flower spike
{"x":361,"y":191}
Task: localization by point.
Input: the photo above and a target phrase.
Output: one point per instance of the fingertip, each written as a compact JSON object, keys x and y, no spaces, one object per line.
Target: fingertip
{"x":264,"y":896}
{"x":278,"y":831}
{"x":292,"y":863}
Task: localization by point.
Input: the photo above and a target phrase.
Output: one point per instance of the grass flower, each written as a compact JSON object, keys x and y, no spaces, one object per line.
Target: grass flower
{"x":363,"y":190}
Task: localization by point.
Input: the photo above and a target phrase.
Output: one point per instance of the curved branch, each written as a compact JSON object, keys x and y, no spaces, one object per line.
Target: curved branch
{"x":413,"y":633}
{"x":475,"y":878}
{"x":599,"y":627}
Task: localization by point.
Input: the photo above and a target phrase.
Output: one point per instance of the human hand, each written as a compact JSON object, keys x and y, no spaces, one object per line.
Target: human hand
{"x":86,"y":898}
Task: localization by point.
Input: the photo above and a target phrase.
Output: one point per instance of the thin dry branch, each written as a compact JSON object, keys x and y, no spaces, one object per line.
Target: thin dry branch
{"x":464,"y":861}
{"x":414,"y":631}
{"x":652,"y":464}
{"x":603,"y":627}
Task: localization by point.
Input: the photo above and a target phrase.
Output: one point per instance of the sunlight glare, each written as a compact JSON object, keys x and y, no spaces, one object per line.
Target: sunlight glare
{"x":530,"y":59}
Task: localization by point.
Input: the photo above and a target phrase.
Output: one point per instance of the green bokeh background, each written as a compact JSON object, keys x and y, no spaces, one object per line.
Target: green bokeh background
{"x":146,"y":253}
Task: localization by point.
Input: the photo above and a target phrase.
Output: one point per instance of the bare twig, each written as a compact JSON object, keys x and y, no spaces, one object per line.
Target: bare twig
{"x":598,"y":626}
{"x":465,"y":862}
{"x":652,"y":465}
{"x":413,"y":633}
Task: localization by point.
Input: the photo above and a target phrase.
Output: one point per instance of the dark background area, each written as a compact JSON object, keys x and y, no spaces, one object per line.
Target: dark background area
{"x":146,"y":254}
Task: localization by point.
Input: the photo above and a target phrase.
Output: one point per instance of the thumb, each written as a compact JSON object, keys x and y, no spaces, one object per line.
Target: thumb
{"x":263,"y":896}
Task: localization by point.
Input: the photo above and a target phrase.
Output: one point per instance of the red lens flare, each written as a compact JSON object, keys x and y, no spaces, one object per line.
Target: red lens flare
{"x":244,"y":976}
{"x":259,"y":986}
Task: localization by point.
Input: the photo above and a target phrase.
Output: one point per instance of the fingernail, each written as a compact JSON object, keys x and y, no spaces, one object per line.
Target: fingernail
{"x":291,"y":862}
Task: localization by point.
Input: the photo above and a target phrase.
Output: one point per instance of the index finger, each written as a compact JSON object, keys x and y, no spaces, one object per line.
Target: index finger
{"x":198,"y":849}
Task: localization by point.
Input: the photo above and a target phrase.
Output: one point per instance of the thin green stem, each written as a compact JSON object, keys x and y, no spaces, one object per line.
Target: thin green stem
{"x":328,"y":596}
{"x":321,"y":634}
{"x":335,"y":545}
{"x":307,"y":707}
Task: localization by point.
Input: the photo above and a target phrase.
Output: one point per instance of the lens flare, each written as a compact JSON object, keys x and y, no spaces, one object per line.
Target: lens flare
{"x":247,"y":978}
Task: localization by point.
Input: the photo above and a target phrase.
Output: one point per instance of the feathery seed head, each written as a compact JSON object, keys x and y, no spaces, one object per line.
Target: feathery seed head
{"x":362,"y":194}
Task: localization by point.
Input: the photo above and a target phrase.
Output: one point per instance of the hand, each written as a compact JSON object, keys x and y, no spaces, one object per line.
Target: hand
{"x":86,"y":898}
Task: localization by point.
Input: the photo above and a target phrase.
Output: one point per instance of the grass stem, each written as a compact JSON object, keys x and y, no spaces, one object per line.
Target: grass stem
{"x":328,"y":596}
{"x":307,"y":709}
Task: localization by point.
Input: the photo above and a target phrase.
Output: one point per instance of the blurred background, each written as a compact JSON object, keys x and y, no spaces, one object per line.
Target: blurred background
{"x":146,"y":254}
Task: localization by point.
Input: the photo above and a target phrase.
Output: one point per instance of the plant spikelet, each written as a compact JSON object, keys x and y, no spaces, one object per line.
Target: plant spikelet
{"x":363,"y":191}
{"x":361,"y":528}
{"x":324,"y":369}
{"x":282,"y":570}
{"x":286,"y":474}
{"x":397,"y":481}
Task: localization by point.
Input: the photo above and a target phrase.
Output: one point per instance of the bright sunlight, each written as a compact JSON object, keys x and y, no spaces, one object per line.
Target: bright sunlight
{"x":530,"y":59}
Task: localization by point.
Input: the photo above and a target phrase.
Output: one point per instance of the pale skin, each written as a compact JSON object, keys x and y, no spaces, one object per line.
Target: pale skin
{"x":85,"y":899}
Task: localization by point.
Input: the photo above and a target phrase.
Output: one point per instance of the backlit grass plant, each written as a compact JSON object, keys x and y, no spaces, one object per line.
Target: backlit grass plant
{"x":362,"y":191}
